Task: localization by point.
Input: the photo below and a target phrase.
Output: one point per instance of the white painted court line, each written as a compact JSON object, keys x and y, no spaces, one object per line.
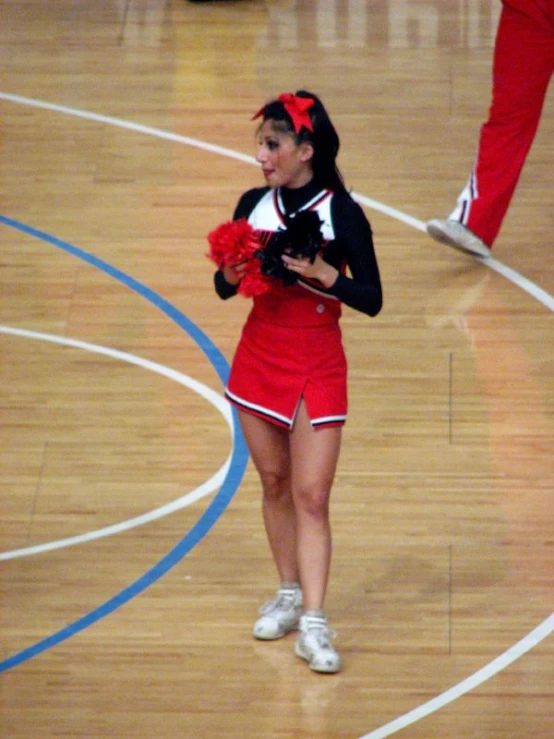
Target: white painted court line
{"x":137,"y":127}
{"x":534,"y":290}
{"x":478,"y":678}
{"x":213,"y":483}
{"x":542,"y":631}
{"x":530,"y":287}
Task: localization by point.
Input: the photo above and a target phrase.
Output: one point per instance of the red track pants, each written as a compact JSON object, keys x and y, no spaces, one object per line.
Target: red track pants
{"x":523,"y":65}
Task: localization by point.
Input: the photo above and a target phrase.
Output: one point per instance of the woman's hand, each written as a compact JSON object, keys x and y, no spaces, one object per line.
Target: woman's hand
{"x":319,"y":270}
{"x":234,"y":273}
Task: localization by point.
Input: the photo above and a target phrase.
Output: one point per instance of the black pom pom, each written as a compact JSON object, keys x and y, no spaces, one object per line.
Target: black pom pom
{"x":302,"y":237}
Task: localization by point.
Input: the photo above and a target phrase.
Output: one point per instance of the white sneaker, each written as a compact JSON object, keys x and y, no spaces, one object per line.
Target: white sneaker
{"x":314,"y":644}
{"x":280,"y":616}
{"x":454,"y":234}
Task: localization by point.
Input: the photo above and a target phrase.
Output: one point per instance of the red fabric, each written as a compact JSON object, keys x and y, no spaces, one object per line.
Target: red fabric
{"x":275,"y":366}
{"x":296,"y":306}
{"x":232,"y":243}
{"x":523,"y":66}
{"x":297,"y":108}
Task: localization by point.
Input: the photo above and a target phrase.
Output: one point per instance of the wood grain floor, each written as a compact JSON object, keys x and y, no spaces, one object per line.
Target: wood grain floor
{"x":133,"y":558}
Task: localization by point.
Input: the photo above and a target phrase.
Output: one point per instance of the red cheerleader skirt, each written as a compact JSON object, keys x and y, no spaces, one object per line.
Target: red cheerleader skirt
{"x":275,"y":367}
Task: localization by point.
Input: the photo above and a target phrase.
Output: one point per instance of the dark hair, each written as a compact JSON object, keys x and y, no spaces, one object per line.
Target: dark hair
{"x":324,"y":138}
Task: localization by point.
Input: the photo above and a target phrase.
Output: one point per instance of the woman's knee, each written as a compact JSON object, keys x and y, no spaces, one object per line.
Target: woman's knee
{"x":312,"y":501}
{"x":275,"y":483}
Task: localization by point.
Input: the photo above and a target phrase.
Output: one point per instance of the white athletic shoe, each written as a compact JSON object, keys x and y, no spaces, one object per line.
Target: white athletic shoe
{"x":314,"y":644}
{"x":280,"y":616}
{"x":452,"y":233}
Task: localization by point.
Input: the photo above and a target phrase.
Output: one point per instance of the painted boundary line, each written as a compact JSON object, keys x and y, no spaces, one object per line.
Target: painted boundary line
{"x":237,"y":466}
{"x":544,"y":629}
{"x":478,"y":678}
{"x":214,"y":482}
{"x":530,"y":287}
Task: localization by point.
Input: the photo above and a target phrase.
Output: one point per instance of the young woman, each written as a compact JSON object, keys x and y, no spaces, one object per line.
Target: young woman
{"x":289,"y":375}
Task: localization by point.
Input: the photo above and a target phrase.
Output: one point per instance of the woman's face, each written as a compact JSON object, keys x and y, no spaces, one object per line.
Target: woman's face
{"x":284,"y":162}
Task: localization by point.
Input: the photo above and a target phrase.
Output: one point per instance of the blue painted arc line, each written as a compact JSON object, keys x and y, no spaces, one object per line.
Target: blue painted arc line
{"x":237,"y":467}
{"x":198,"y":531}
{"x":216,"y":358}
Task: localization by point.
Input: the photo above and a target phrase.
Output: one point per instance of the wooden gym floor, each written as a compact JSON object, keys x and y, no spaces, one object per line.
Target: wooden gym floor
{"x":133,"y":554}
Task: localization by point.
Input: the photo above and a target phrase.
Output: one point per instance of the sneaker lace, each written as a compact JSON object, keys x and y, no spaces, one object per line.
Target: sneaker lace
{"x":323,"y":637}
{"x":283,"y":602}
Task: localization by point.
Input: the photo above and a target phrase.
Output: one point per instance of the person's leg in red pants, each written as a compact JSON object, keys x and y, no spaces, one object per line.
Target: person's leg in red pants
{"x":523,"y":66}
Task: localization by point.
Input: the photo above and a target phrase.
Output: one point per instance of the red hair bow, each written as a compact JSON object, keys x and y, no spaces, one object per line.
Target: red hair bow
{"x":297,"y":108}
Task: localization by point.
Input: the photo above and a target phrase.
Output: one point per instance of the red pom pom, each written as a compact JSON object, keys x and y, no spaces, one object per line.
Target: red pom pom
{"x":232,"y":242}
{"x":235,"y":242}
{"x":254,"y":282}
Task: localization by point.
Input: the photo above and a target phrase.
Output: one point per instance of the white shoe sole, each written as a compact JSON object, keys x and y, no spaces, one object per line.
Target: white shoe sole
{"x":462,"y":239}
{"x":272,"y":634}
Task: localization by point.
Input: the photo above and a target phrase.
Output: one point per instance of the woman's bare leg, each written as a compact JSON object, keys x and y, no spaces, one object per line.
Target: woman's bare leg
{"x":314,"y":457}
{"x":269,"y":448}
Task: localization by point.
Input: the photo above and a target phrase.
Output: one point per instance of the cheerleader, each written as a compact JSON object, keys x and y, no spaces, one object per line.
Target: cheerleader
{"x":309,"y":248}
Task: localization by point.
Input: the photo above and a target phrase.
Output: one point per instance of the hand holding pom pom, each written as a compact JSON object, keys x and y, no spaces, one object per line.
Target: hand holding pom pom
{"x":236,"y":242}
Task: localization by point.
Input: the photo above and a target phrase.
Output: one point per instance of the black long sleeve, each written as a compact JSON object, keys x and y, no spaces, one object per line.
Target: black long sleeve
{"x":223,"y":288}
{"x":353,"y":246}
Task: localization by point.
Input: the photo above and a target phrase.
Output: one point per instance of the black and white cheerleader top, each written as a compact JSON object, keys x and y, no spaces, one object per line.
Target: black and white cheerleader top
{"x":348,"y":245}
